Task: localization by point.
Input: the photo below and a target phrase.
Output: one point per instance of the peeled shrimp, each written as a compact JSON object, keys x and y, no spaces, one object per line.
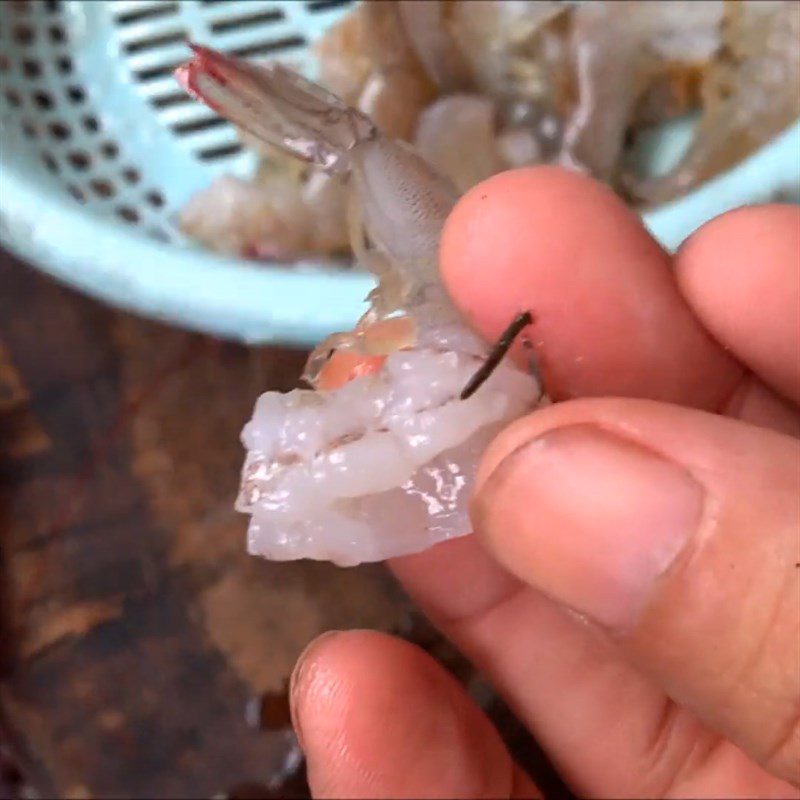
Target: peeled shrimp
{"x":378,"y":459}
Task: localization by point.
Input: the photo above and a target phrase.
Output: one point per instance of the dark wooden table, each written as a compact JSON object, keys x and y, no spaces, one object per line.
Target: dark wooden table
{"x":135,"y":628}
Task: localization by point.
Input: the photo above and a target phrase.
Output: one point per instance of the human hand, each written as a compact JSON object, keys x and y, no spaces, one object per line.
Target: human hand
{"x":633,"y":590}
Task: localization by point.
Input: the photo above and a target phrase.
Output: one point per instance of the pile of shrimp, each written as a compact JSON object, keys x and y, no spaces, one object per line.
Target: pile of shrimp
{"x":377,"y":459}
{"x":479,"y":86}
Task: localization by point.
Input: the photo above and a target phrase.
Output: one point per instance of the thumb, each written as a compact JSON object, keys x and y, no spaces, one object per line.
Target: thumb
{"x":678,"y":532}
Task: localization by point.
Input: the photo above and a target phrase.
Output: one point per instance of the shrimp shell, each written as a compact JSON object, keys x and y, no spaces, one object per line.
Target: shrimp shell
{"x":382,"y":464}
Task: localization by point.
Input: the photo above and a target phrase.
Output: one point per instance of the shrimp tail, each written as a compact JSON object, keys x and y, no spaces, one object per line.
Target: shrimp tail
{"x":278,"y":106}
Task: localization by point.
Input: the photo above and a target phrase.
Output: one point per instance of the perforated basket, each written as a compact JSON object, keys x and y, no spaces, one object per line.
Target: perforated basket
{"x":100,"y":147}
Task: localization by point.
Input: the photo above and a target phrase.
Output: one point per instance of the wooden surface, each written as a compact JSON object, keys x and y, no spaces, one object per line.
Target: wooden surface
{"x":135,"y":628}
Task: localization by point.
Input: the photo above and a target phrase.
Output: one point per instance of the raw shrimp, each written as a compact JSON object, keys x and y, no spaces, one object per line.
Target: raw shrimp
{"x":378,"y":459}
{"x":751,"y":93}
{"x":456,"y":134}
{"x":288,"y":210}
{"x":619,"y":52}
{"x":484,"y":85}
{"x":366,"y":60}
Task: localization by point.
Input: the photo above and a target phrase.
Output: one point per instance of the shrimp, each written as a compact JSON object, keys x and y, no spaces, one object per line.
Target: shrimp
{"x":620,"y":53}
{"x":378,"y":458}
{"x":751,"y":93}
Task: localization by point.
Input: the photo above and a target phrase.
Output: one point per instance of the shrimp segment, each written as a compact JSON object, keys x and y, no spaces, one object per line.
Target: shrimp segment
{"x":343,"y":367}
{"x":379,"y":458}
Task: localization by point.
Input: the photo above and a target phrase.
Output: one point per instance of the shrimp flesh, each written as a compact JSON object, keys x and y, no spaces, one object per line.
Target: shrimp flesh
{"x":377,"y":460}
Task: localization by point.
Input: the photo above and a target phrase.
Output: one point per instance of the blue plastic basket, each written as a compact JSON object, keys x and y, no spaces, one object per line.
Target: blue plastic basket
{"x":100,"y":148}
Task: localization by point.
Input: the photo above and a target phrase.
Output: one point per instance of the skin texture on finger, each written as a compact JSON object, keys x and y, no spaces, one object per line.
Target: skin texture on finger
{"x":610,"y":731}
{"x":608,"y":316}
{"x":759,"y":405}
{"x":561,"y":676}
{"x":741,"y":275}
{"x":712,"y":618}
{"x":608,"y":739}
{"x":378,"y":717}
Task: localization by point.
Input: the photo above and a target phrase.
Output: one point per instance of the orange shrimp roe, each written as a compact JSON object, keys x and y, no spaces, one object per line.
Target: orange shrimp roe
{"x":343,"y":366}
{"x":385,"y":336}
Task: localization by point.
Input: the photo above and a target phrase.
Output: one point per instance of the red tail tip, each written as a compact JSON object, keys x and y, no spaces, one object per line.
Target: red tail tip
{"x":206,"y":53}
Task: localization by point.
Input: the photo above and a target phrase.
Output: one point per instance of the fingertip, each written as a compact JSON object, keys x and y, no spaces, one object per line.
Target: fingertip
{"x":761,"y":226}
{"x":608,"y":318}
{"x":518,"y":220}
{"x":378,"y":717}
{"x":729,"y":252}
{"x":303,"y":677}
{"x":740,"y":273}
{"x":320,"y":684}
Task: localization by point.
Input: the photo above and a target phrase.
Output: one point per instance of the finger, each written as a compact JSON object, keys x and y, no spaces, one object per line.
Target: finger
{"x":609,"y":730}
{"x":563,"y":679}
{"x":740,"y":273}
{"x":565,"y":684}
{"x":756,"y":403}
{"x":609,"y":318}
{"x":378,"y":717}
{"x":678,"y":531}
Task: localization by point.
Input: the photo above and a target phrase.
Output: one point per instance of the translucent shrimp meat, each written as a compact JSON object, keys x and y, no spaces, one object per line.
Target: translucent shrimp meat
{"x":456,"y":134}
{"x":621,"y":52}
{"x":378,"y":459}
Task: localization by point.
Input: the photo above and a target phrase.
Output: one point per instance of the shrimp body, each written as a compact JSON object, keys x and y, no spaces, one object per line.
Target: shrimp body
{"x":398,"y":209}
{"x":378,"y":460}
{"x":405,"y":204}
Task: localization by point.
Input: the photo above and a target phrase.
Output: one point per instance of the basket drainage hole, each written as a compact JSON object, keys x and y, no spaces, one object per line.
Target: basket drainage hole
{"x":109,"y":149}
{"x":156,"y":199}
{"x":324,"y":5}
{"x":5,"y":64}
{"x":60,"y":130}
{"x":76,"y":192}
{"x":30,"y":129}
{"x":23,"y":34}
{"x":79,"y":159}
{"x":58,"y":34}
{"x":102,"y":188}
{"x":76,"y":94}
{"x":13,"y":97}
{"x":31,"y":69}
{"x":44,"y":100}
{"x":91,"y":124}
{"x":64,"y":64}
{"x":128,"y":214}
{"x":50,"y":162}
{"x":131,"y":175}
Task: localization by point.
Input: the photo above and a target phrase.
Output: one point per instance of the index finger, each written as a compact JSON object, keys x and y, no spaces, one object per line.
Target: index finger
{"x":608,"y":316}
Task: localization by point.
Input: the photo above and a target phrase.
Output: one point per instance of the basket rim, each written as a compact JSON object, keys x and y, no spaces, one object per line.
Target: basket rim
{"x":298,"y":304}
{"x":193,"y":288}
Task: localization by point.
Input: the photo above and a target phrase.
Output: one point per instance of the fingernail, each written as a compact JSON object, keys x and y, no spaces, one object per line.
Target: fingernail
{"x":591,"y":519}
{"x":298,"y":680}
